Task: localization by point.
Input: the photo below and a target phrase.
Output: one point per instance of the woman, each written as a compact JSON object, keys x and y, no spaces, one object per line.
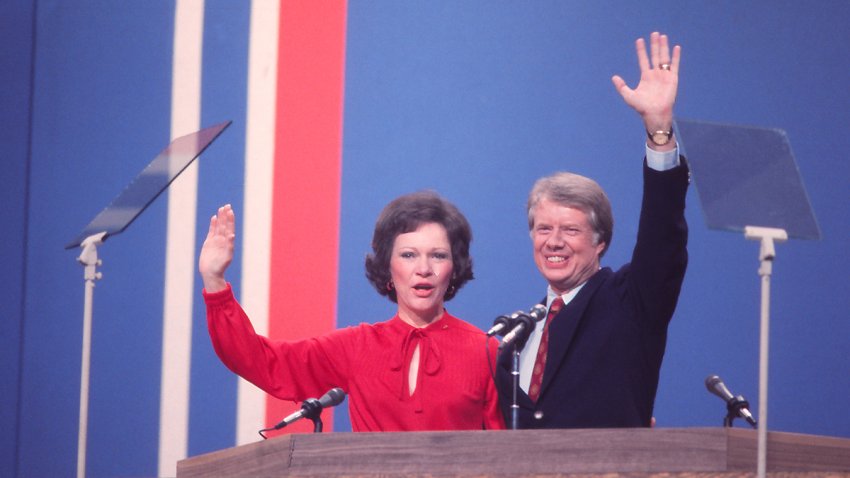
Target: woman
{"x":421,"y":370}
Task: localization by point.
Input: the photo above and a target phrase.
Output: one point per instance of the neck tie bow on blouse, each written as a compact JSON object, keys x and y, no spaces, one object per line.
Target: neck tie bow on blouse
{"x":430,"y":358}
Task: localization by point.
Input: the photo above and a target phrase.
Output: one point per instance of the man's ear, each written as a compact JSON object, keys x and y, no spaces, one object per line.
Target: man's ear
{"x":599,"y":248}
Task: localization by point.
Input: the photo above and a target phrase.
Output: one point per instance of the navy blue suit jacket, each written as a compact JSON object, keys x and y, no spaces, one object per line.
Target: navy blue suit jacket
{"x":607,"y":344}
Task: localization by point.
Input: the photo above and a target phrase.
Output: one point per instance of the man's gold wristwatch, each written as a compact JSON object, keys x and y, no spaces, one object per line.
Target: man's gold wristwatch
{"x":660,"y":137}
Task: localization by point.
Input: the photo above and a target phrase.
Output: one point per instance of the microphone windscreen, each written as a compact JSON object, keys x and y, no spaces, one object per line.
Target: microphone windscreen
{"x":538,"y":312}
{"x":334,"y":397}
{"x":717,"y":387}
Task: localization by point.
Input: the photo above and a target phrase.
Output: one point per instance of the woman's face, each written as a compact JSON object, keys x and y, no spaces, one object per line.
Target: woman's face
{"x":421,"y":269}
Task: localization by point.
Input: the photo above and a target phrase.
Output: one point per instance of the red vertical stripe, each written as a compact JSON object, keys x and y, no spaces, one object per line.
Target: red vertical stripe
{"x":305,"y":205}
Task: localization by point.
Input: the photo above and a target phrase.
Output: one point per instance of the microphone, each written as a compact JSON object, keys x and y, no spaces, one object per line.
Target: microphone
{"x":537,"y":312}
{"x":736,"y":405}
{"x":503,"y":323}
{"x":312,"y":408}
{"x":524,"y":325}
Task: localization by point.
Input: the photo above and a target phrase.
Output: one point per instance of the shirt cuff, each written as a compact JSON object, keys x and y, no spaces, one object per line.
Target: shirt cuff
{"x":212,"y":298}
{"x":662,"y":161}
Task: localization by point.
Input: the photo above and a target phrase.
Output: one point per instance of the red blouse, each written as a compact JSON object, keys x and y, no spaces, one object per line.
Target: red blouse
{"x":454,"y":390}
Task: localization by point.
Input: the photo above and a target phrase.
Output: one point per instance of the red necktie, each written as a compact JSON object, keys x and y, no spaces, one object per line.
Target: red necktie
{"x":540,"y":362}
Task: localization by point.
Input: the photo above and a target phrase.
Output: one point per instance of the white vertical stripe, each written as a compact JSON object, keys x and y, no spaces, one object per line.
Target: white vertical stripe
{"x":180,"y":245}
{"x":256,"y":225}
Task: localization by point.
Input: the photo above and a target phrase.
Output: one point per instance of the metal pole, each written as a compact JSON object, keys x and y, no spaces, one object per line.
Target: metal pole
{"x":764,"y":340}
{"x":515,"y":379}
{"x":88,"y":258}
{"x":767,"y":253}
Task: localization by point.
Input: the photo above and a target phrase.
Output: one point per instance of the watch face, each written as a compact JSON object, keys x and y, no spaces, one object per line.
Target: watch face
{"x":660,"y":138}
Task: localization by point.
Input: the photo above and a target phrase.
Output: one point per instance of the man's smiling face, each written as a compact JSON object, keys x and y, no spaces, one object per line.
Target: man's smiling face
{"x":565,"y":246}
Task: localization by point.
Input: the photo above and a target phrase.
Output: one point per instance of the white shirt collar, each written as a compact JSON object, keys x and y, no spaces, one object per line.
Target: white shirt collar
{"x":551,"y":295}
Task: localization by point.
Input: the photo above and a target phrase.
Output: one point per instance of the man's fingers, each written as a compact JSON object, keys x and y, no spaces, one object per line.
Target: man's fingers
{"x":640,"y":49}
{"x":674,"y":63}
{"x":620,"y":85}
{"x":663,"y":50}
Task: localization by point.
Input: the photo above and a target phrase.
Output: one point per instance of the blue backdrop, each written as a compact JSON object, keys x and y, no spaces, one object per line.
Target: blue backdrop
{"x":474,"y":99}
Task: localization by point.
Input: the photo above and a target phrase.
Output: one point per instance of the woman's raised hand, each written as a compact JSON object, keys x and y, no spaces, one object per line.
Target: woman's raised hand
{"x":217,"y":251}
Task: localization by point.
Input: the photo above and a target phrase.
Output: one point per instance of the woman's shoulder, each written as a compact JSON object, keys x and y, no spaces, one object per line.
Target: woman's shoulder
{"x":389,"y":327}
{"x":461,"y":325}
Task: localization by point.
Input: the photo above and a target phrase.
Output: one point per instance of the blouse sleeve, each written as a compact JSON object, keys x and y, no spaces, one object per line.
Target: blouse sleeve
{"x":288,"y":370}
{"x":493,"y":417}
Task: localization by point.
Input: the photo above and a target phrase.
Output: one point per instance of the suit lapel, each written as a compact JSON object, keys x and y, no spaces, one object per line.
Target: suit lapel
{"x":563,"y":328}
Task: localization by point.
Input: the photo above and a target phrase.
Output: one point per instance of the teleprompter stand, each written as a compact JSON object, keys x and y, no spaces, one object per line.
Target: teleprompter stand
{"x":114,"y":219}
{"x":748,"y":181}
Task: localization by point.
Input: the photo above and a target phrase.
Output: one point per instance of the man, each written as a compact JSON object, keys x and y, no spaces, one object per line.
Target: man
{"x":595,"y":361}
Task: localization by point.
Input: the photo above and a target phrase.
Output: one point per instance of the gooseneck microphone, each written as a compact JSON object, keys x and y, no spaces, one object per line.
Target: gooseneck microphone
{"x":524,"y":325}
{"x":736,"y":406}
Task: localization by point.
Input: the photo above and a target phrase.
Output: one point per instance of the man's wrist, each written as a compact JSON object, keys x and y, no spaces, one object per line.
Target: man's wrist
{"x":662,"y":160}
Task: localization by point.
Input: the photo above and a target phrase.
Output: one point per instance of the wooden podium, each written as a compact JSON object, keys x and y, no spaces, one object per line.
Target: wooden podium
{"x":669,"y":452}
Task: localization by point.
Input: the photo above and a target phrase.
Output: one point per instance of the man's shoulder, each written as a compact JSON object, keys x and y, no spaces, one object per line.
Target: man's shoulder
{"x":604,"y":283}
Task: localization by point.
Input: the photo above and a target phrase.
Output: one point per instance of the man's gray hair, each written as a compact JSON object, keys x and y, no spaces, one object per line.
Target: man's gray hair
{"x":578,"y":192}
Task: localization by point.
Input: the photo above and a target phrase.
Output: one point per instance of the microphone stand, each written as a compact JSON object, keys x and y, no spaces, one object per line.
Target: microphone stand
{"x":313,"y":411}
{"x":515,"y":379}
{"x":89,"y":260}
{"x":517,"y":338}
{"x":767,"y":252}
{"x":733,"y":410}
{"x":516,"y":348}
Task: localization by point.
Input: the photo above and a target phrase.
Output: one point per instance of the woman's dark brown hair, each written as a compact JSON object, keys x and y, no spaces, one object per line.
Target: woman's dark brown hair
{"x":405,"y":214}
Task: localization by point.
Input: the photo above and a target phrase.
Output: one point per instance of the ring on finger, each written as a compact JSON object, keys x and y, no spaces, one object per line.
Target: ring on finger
{"x":664,"y":66}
